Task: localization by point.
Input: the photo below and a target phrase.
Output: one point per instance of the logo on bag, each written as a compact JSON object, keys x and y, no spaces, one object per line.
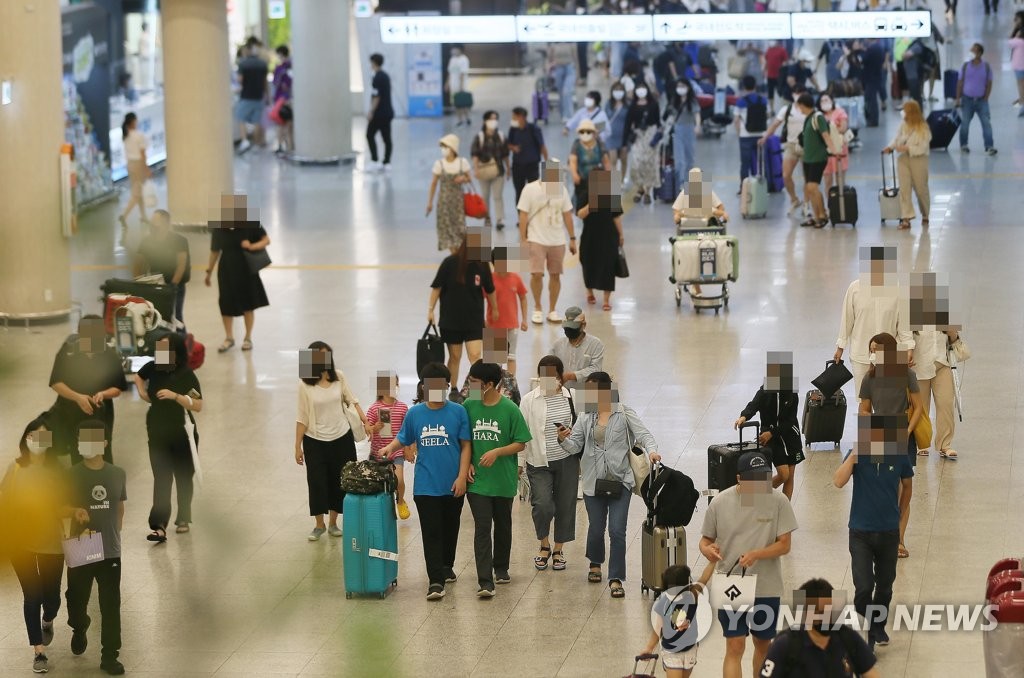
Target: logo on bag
{"x":99,"y":493}
{"x":733,"y":592}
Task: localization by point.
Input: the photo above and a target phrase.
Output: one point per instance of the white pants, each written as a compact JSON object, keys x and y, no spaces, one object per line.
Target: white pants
{"x":493,"y":188}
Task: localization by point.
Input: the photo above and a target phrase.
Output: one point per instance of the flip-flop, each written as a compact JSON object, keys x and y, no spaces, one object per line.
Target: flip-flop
{"x":606,"y":307}
{"x":226,"y":346}
{"x":902,"y":552}
{"x":156,"y":536}
{"x":949,"y":454}
{"x":923,"y":453}
{"x":617,"y":590}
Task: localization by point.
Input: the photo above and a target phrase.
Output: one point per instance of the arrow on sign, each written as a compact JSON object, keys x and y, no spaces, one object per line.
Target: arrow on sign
{"x":664,"y":27}
{"x":920,"y":24}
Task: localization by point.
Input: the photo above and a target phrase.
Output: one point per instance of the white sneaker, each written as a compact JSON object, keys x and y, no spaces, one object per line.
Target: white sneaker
{"x":537,"y":318}
{"x":554,"y":317}
{"x":372,"y":167}
{"x":244,"y":146}
{"x":387,"y":168}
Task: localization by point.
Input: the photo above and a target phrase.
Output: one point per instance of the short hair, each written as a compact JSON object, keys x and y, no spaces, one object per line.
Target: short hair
{"x":748,"y":82}
{"x":499,"y":254}
{"x":596,"y":96}
{"x":488,"y":373}
{"x":283,"y":51}
{"x":806,"y":100}
{"x":92,"y":425}
{"x":253,"y":41}
{"x":816,"y":589}
{"x":602,"y":379}
{"x":980,"y":47}
{"x":435,"y":371}
{"x":676,"y":575}
{"x":377,"y":59}
{"x":552,"y":361}
{"x":519,"y":110}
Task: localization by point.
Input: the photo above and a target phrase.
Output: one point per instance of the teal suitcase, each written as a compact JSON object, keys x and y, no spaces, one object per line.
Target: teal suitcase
{"x":370,"y":544}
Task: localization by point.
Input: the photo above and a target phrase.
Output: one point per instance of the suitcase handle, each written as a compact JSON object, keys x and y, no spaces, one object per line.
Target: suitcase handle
{"x":885,"y":182}
{"x":747,"y":424}
{"x":645,"y":657}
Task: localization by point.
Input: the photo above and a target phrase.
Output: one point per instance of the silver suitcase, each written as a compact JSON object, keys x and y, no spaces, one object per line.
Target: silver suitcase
{"x":661,"y":547}
{"x":889,"y":196}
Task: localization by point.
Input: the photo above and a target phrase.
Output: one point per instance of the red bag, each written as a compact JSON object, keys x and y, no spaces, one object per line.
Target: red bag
{"x":196,"y":352}
{"x":275,"y":112}
{"x":473,"y":203}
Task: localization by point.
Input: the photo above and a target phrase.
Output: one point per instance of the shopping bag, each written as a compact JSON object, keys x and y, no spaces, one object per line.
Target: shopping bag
{"x":734,"y":592}
{"x":84,"y":549}
{"x":193,"y":443}
{"x":473,"y":203}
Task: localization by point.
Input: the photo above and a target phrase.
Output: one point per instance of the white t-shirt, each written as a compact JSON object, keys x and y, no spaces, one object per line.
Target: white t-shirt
{"x":546,"y":224}
{"x":134,"y":145}
{"x":682,"y":205}
{"x":458,"y":73}
{"x":331,"y":423}
{"x":457,"y":166}
{"x":795,"y":124}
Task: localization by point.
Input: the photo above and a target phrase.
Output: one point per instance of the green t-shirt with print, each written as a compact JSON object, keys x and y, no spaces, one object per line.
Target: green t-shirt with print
{"x":493,"y":427}
{"x":815,"y":149}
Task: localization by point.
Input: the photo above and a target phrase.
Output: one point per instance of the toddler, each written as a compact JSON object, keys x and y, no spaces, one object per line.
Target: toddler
{"x":678,"y":603}
{"x":385,"y":417}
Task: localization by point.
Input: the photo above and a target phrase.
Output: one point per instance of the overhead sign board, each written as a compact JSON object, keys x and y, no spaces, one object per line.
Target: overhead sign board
{"x":436,"y":29}
{"x":760,"y":26}
{"x":584,"y":28}
{"x":840,"y":25}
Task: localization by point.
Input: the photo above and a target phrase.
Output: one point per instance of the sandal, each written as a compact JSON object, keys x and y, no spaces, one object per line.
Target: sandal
{"x":247,"y":345}
{"x":948,"y":454}
{"x":616,"y":589}
{"x":226,"y":346}
{"x":594,"y":576}
{"x":558,"y":562}
{"x":902,"y":551}
{"x":157,"y":536}
{"x":541,"y":562}
{"x":808,"y":222}
{"x":821,"y":223}
{"x":904,"y":225}
{"x":606,"y":307}
{"x":591,"y":299}
{"x":924,"y":223}
{"x":182,"y":529}
{"x":922,"y":453}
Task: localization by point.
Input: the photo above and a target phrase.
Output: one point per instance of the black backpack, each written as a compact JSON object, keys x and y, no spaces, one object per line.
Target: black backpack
{"x":757,"y":113}
{"x":670,"y":496}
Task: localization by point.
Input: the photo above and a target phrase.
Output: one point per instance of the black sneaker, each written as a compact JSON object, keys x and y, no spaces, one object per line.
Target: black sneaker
{"x":450,"y":577}
{"x":500,"y":226}
{"x":881,"y":637}
{"x":435,"y":592}
{"x":485,"y":592}
{"x":47,"y":633}
{"x":990,"y":151}
{"x":41,"y":664}
{"x":79,"y":642}
{"x":502,"y":578}
{"x":112,"y":667}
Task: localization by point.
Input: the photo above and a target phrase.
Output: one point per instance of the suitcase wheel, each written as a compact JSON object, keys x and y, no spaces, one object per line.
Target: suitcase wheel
{"x":679,"y":297}
{"x":348,"y":595}
{"x":383,"y":595}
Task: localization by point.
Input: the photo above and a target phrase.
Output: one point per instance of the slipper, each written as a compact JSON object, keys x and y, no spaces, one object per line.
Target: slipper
{"x":591,"y":299}
{"x":606,"y":307}
{"x":226,"y":346}
{"x":949,"y":454}
{"x":247,"y":345}
{"x":182,"y":529}
{"x":922,"y":453}
{"x":537,"y":318}
{"x":554,"y":317}
{"x":902,"y":552}
{"x":157,"y":536}
{"x":616,"y":589}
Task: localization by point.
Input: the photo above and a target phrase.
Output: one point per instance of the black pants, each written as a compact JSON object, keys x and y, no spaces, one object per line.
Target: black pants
{"x":179,"y":303}
{"x":324,"y":461}
{"x":440,"y":518}
{"x":382,"y":125}
{"x":491,"y":557}
{"x":951,"y":6}
{"x":524,"y":174}
{"x":107,"y":575}
{"x":39,"y":575}
{"x":171,"y":461}
{"x":991,"y":6}
{"x":874,"y":89}
{"x":873,"y":563}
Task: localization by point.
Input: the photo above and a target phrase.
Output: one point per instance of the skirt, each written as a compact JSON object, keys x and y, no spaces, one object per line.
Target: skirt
{"x":136,"y":177}
{"x":599,"y":251}
{"x":643,"y":160}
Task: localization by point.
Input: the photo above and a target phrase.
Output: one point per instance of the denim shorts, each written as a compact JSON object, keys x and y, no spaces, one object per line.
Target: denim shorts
{"x":758,"y":616}
{"x":249,"y":111}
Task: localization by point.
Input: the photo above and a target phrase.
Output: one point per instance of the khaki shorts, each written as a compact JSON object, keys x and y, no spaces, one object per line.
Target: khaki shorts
{"x":792,"y":150}
{"x":554,"y":255}
{"x":680,"y":660}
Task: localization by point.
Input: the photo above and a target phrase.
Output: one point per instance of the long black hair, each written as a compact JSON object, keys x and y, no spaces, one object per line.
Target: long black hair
{"x":39,"y":422}
{"x":328,"y":367}
{"x":678,"y":102}
{"x":462,"y":261}
{"x":129,"y":118}
{"x":177,"y":346}
{"x":487,"y":116}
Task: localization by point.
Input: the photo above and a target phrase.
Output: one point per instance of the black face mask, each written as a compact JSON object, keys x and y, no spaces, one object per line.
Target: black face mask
{"x":572,"y":334}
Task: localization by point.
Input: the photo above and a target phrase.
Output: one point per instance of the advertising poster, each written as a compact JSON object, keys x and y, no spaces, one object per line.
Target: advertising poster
{"x":425,"y":82}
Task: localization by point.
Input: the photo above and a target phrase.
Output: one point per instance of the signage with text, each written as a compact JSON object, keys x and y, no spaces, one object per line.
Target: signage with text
{"x":760,"y":26}
{"x":437,"y":29}
{"x":839,"y":25}
{"x":584,"y":28}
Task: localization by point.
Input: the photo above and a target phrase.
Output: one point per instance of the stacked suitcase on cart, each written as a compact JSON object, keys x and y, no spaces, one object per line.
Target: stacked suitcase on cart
{"x":135,"y":312}
{"x":703,"y":254}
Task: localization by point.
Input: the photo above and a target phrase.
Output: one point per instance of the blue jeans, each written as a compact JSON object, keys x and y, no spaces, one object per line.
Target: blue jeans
{"x":684,"y":140}
{"x":968,"y":107}
{"x":748,"y":153}
{"x":603,"y":511}
{"x":873,"y":563}
{"x":565,"y":83}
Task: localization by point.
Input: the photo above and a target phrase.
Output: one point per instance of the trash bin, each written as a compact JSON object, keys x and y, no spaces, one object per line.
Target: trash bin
{"x":1004,"y":645}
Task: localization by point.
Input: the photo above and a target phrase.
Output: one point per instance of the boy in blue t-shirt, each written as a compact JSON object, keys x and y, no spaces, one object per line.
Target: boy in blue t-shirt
{"x":436,"y":437}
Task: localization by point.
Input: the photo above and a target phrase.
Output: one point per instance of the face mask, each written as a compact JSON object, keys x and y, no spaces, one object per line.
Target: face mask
{"x":586,"y":136}
{"x":491,"y":124}
{"x":589,"y":103}
{"x":826,"y":106}
{"x":517,"y":124}
{"x":618,"y":94}
{"x":873,"y":359}
{"x":90,"y":450}
{"x":975,"y":55}
{"x":444,"y":153}
{"x":682,"y":91}
{"x":572,"y":334}
{"x":35,"y":447}
{"x":549,"y":384}
{"x":641,"y":92}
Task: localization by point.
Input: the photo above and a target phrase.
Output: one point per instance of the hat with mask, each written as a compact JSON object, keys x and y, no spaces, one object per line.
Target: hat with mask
{"x":587,"y":126}
{"x":451,"y":141}
{"x":753,"y":466}
{"x":573,"y":318}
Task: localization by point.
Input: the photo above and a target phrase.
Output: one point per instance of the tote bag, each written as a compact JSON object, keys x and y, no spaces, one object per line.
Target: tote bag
{"x":472,"y":202}
{"x":84,"y":549}
{"x":639,"y":462}
{"x":352,"y":415}
{"x":733,"y":592}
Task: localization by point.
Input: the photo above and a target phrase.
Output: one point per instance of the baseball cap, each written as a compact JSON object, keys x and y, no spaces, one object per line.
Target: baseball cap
{"x":572,"y":318}
{"x":753,"y":464}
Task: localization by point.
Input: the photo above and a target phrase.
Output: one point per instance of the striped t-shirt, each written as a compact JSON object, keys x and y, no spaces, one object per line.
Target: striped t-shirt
{"x":558,"y":411}
{"x":379,"y":441}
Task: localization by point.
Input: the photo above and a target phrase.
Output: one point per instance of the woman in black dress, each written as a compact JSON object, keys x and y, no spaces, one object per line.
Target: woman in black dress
{"x":601,"y":238}
{"x":240,"y":289}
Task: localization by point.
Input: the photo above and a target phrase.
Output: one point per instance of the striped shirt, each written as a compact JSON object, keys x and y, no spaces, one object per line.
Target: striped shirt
{"x":558,"y":411}
{"x":378,"y":441}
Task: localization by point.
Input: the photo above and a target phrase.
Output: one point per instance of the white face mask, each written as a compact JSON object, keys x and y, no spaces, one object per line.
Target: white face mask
{"x":549,"y":384}
{"x":682,"y":91}
{"x":444,"y":153}
{"x":491,"y":124}
{"x":826,"y":106}
{"x":641,"y":92}
{"x":586,"y":136}
{"x":618,"y":95}
{"x":90,"y":450}
{"x":517,"y":124}
{"x":873,"y":358}
{"x":589,"y":103}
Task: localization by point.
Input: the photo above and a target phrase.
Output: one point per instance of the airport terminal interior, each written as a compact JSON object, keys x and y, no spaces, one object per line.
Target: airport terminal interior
{"x":245,"y":593}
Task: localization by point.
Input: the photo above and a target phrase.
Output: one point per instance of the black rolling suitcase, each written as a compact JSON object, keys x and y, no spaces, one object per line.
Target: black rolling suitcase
{"x":824,"y":418}
{"x":944,"y":125}
{"x":722,"y":459}
{"x":842,"y":201}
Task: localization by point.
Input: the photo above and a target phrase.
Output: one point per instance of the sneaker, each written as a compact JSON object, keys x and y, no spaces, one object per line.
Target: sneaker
{"x":537,"y":318}
{"x":554,"y":317}
{"x":334,"y":531}
{"x":387,"y":167}
{"x":881,"y":637}
{"x":990,"y":151}
{"x":964,"y":149}
{"x":47,"y":633}
{"x":451,"y":577}
{"x":502,"y":578}
{"x":41,"y":664}
{"x":403,"y":510}
{"x":244,"y":146}
{"x":435,"y":592}
{"x":371,"y":167}
{"x":317,"y":533}
{"x":79,"y":642}
{"x":485,"y":592}
{"x":112,"y":667}
{"x":794,"y":207}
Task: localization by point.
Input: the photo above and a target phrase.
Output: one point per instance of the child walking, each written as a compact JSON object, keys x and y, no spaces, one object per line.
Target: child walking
{"x":385,"y":416}
{"x":674,"y":618}
{"x":510,"y":294}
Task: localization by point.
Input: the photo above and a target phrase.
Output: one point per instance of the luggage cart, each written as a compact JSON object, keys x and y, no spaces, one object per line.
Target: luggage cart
{"x":716,"y":265}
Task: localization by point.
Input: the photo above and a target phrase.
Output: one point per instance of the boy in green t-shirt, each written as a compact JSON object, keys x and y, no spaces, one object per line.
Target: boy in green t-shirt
{"x":499,"y":434}
{"x":814,"y":140}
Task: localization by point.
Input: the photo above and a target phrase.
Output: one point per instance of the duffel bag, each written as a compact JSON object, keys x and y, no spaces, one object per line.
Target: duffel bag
{"x":369,"y":477}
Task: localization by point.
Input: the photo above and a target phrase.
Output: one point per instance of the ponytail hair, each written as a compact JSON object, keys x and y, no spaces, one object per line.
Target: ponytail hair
{"x":129,"y":118}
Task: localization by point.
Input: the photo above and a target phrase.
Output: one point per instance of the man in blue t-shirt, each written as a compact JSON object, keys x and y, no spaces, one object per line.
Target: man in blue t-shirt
{"x":526,"y":142}
{"x":436,"y":437}
{"x":878,"y":468}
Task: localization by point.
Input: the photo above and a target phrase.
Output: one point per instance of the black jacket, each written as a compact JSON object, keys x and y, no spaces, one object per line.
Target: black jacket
{"x":775,"y":409}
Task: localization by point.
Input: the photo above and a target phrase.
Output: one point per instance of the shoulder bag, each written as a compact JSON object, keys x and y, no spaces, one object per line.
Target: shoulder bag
{"x":256,"y":260}
{"x":352,"y":415}
{"x":639,"y":462}
{"x":923,"y":430}
{"x":488,"y":169}
{"x":472,"y":202}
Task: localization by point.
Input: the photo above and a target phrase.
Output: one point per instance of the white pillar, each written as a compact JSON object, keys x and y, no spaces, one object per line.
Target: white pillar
{"x":197,"y":108}
{"x":35,"y":278}
{"x":320,"y":83}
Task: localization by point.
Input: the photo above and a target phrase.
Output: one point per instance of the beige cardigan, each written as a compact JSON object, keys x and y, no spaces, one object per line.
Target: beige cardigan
{"x":917,"y":141}
{"x":307,"y":413}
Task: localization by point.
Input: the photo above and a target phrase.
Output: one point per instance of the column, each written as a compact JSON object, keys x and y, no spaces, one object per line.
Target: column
{"x":197,"y":108}
{"x":322,"y":102}
{"x":35,"y":279}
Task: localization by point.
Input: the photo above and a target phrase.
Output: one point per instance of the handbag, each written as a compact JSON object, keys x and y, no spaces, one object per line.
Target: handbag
{"x":959,"y":349}
{"x":608,"y":487}
{"x":84,"y":549}
{"x":462,"y":100}
{"x":737,"y":66}
{"x":488,"y":171}
{"x":429,"y":348}
{"x":256,"y":260}
{"x":923,"y":430}
{"x":354,"y":420}
{"x":733,"y":592}
{"x":832,"y":379}
{"x":639,"y":463}
{"x":621,"y":265}
{"x":473,"y":203}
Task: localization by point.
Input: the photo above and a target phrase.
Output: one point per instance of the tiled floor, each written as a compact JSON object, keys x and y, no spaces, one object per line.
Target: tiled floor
{"x":246,"y":594}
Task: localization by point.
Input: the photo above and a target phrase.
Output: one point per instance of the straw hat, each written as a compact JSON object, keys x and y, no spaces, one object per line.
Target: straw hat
{"x":450,"y":141}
